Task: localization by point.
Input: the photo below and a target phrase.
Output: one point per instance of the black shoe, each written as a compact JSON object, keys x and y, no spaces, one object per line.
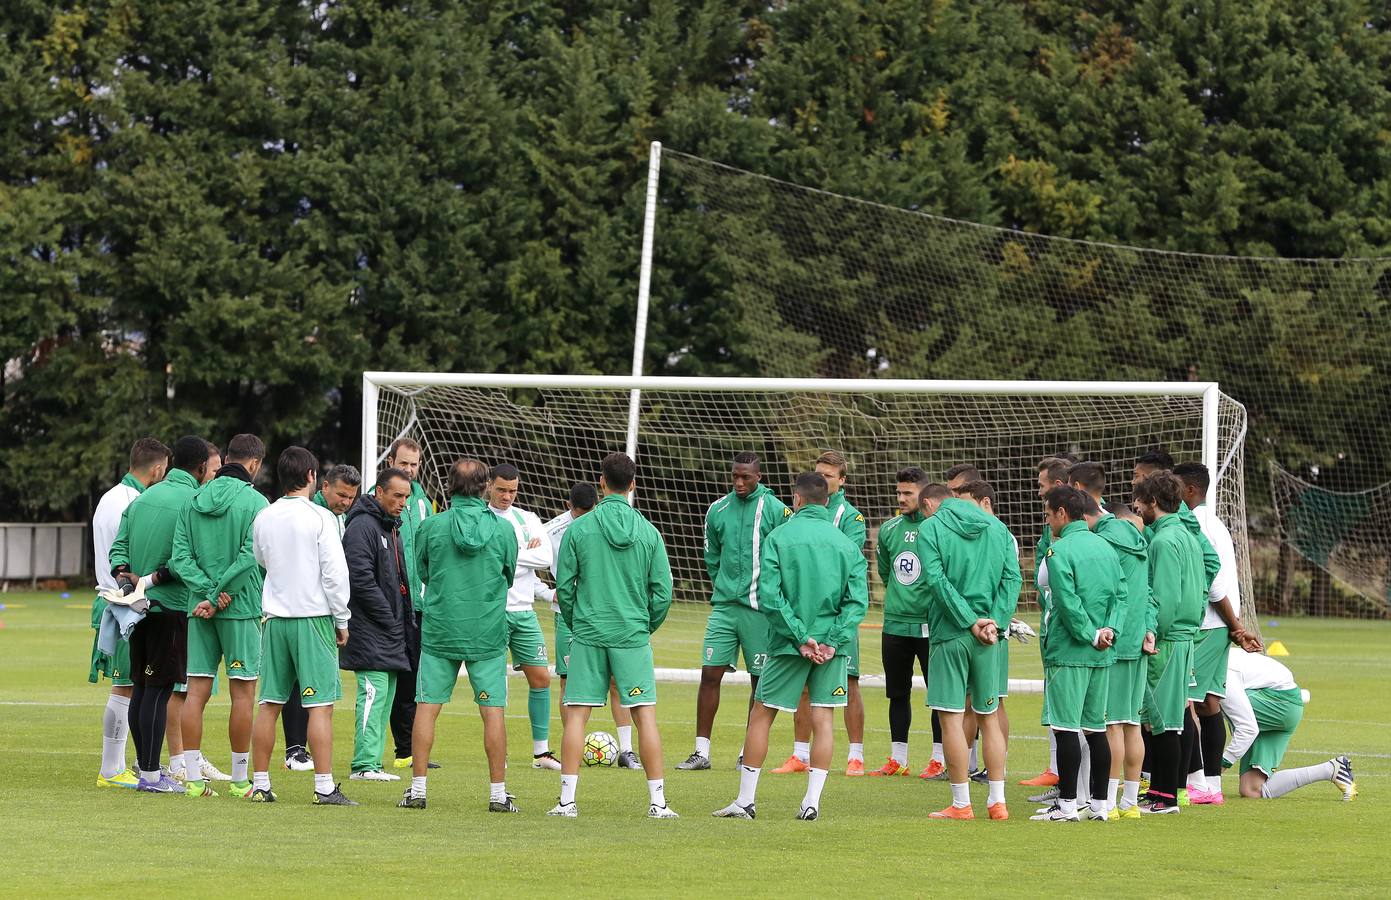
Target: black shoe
{"x":503,"y":806}
{"x":261,"y":795}
{"x":297,"y":759}
{"x":980,"y":776}
{"x":629,"y":760}
{"x":432,"y":765}
{"x":408,"y":801}
{"x":337,"y":798}
{"x":808,"y":814}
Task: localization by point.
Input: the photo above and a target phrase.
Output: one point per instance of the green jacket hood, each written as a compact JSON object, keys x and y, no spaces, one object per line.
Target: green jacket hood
{"x":471,"y":523}
{"x":1122,"y":536}
{"x":218,"y":495}
{"x":618,"y":521}
{"x":964,"y":518}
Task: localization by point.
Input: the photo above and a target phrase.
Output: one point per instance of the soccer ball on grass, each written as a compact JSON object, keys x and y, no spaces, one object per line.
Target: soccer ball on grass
{"x":600,"y":749}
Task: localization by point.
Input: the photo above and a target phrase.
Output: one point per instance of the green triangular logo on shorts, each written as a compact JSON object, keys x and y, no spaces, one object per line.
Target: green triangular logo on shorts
{"x":838,"y":692}
{"x":635,"y":692}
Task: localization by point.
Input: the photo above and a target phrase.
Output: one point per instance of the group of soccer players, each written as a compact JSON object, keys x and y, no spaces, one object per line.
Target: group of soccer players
{"x":197,"y":570}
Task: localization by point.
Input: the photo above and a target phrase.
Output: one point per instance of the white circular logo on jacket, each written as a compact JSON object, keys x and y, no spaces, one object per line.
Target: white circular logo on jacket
{"x":907,"y":569}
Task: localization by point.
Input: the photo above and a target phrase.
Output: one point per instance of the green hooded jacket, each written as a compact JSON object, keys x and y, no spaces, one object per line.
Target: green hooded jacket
{"x":971,"y":569}
{"x":466,"y":557}
{"x":1212,"y":563}
{"x":814,"y":583}
{"x":1132,"y":551}
{"x":146,"y":537}
{"x":848,"y":519}
{"x":613,"y":579}
{"x":417,"y":510}
{"x":212,"y":550}
{"x":1088,"y":588}
{"x":906,"y":592}
{"x":1177,"y":579}
{"x":735,"y":529}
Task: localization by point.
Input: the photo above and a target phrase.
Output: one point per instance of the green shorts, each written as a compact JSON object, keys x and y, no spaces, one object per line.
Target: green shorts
{"x":436,"y":676}
{"x":304,"y":651}
{"x":732,"y":627}
{"x":1209,"y":664}
{"x":785,"y":676}
{"x":960,"y":667}
{"x":1168,"y":676}
{"x":1076,"y":697}
{"x":525,"y":640}
{"x":1125,"y":692}
{"x":1278,"y":713}
{"x":852,"y":656}
{"x":115,"y":666}
{"x":562,"y":646}
{"x":234,"y":642}
{"x":1002,"y":679}
{"x":591,"y":668}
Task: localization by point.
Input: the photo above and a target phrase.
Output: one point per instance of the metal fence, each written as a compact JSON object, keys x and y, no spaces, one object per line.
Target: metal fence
{"x":30,"y":552}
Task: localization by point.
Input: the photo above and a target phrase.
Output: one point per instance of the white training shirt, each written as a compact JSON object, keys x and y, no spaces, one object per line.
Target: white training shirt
{"x":106,"y":521}
{"x":555,"y":529}
{"x":1249,"y":672}
{"x":527,"y":525}
{"x":296,"y":542}
{"x":1226,"y":584}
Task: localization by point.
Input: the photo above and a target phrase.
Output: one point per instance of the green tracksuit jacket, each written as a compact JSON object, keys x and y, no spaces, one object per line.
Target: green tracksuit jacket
{"x":212,"y":550}
{"x":466,"y":557}
{"x":906,"y":593}
{"x":1177,"y":579}
{"x":971,"y":569}
{"x":813,"y":583}
{"x":848,"y":519}
{"x":1088,"y":588}
{"x":1132,"y":552}
{"x":613,"y":579}
{"x":735,"y":529}
{"x":413,"y":516}
{"x":1212,"y":563}
{"x":145,"y":539}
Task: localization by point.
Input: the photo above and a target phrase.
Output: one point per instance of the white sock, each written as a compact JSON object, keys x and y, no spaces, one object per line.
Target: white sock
{"x":625,"y":738}
{"x":176,"y":763}
{"x":1130,"y":794}
{"x":539,"y":747}
{"x":240,"y":763}
{"x":816,"y":780}
{"x":1099,"y":806}
{"x":703,"y":747}
{"x":1067,"y":806}
{"x":1112,"y":787}
{"x":1286,"y":780}
{"x":857,"y":751}
{"x":1214,"y":784}
{"x":997,"y":793}
{"x":1198,"y":779}
{"x":748,"y":785}
{"x":961,"y":795}
{"x":418,"y":786}
{"x":193,"y":764}
{"x":937,"y":754}
{"x":115,"y":727}
{"x":971,"y":759}
{"x":802,"y":751}
{"x":149,"y":777}
{"x":1084,"y":771}
{"x":260,"y":781}
{"x":323,"y":784}
{"x":657,"y":791}
{"x":898,"y":752}
{"x":568,"y":784}
{"x":497,"y":791}
{"x":1052,"y":751}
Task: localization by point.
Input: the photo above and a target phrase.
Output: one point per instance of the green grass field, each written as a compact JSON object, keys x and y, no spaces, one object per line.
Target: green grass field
{"x":65,"y":837}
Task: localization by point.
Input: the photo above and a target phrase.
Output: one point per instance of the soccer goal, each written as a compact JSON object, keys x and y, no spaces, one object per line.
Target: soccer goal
{"x":683,"y":433}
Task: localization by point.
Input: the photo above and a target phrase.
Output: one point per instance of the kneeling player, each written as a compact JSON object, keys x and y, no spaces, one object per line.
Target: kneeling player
{"x":1265,"y":706}
{"x":812,"y":582}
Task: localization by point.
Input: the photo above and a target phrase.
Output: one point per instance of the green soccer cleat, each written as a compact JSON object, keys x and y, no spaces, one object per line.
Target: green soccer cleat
{"x":126,"y":779}
{"x":198,"y":789}
{"x":1183,"y":797}
{"x":239,"y":789}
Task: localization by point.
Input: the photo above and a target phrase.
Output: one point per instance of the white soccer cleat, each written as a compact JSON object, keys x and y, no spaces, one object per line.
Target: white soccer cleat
{"x":661,"y":812}
{"x":212,"y":773}
{"x":735,"y":811}
{"x":1055,"y":814}
{"x":545,"y":760}
{"x":373,"y":775}
{"x":1092,"y":815}
{"x":808,"y":814}
{"x":565,"y":810}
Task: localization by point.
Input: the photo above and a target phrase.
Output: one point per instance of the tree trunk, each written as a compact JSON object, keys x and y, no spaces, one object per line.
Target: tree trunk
{"x":1284,"y":579}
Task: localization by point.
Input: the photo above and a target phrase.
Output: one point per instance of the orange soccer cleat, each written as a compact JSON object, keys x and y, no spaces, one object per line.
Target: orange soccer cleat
{"x":1046,"y":778}
{"x":855,"y":767}
{"x":792,"y":766}
{"x":891,"y":767}
{"x":953,"y":812}
{"x":935,"y":771}
{"x":998,"y":812}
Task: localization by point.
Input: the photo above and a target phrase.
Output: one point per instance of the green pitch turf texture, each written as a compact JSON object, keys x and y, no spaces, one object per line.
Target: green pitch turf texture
{"x":64,"y":837}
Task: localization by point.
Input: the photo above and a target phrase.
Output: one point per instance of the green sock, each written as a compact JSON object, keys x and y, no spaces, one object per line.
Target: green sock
{"x":538,"y":709}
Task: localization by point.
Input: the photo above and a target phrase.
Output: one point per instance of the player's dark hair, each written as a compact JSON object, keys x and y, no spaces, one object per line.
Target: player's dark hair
{"x":1089,"y":506}
{"x":387,"y":475}
{"x":832,"y":458}
{"x":504,"y":472}
{"x":1158,"y":458}
{"x":244,"y":448}
{"x":812,"y":488}
{"x":962,"y":470}
{"x":911,"y":475}
{"x":214,"y":450}
{"x":467,"y":478}
{"x":1163,"y":489}
{"x":405,"y":442}
{"x":1194,"y":474}
{"x":1120,"y":510}
{"x":1089,"y":476}
{"x":343,"y":474}
{"x":583,"y":496}
{"x":746,"y":458}
{"x":1055,"y":468}
{"x":978,"y":491}
{"x":619,"y":471}
{"x":1071,"y":501}
{"x":147,"y":452}
{"x":295,"y":467}
{"x":933,"y":490}
{"x":190,"y":452}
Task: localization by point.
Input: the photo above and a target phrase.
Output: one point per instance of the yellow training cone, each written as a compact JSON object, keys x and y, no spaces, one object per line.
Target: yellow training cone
{"x":1276,"y":648}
